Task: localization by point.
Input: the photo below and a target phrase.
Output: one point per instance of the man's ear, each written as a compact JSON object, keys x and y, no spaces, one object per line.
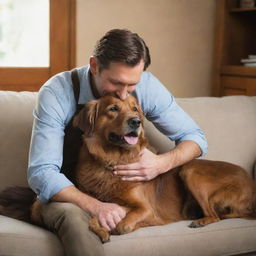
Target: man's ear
{"x":86,"y":118}
{"x":93,"y":65}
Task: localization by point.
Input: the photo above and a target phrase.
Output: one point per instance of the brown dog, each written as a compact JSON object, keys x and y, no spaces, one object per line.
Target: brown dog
{"x":113,"y":134}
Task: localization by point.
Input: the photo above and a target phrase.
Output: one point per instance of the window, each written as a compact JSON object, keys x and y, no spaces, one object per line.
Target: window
{"x":23,"y":32}
{"x":37,"y":40}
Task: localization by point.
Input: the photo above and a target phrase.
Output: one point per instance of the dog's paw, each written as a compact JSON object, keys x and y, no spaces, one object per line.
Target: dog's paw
{"x":124,"y":228}
{"x":101,"y":232}
{"x":195,"y":224}
{"x":104,"y":237}
{"x":203,"y":222}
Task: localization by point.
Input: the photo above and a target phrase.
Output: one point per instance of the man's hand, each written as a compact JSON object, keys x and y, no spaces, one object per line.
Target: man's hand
{"x":148,"y":167}
{"x":108,"y":214}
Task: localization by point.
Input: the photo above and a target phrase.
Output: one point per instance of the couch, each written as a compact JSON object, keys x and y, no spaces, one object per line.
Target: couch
{"x":230,"y":127}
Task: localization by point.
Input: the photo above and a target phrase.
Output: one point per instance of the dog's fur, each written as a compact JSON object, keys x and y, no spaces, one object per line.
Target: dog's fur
{"x":207,"y":191}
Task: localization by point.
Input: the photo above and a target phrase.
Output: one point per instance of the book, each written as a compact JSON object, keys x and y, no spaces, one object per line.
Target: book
{"x":250,"y":64}
{"x":248,"y":60}
{"x":252,"y":56}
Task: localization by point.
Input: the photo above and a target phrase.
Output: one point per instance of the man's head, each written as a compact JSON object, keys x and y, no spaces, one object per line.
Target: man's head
{"x":118,"y":61}
{"x":120,"y":45}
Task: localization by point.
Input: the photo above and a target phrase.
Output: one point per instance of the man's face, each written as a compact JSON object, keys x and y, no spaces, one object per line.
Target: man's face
{"x":119,"y":78}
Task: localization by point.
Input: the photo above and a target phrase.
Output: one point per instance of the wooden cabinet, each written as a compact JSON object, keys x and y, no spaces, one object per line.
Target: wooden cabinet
{"x":235,"y":39}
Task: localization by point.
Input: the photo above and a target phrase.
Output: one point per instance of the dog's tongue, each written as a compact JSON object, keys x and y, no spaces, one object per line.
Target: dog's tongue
{"x":131,"y":140}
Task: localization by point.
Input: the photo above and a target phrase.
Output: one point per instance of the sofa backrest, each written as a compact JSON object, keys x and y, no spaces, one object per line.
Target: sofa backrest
{"x":229,"y":124}
{"x":15,"y":131}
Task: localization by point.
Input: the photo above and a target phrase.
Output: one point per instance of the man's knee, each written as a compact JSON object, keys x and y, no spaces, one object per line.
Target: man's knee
{"x":62,"y":208}
{"x":70,"y":223}
{"x":55,"y":214}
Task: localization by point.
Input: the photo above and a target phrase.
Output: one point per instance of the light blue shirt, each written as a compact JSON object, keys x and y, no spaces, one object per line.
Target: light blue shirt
{"x":56,"y":105}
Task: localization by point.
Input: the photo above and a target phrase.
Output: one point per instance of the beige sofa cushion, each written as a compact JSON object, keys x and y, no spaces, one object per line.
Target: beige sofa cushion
{"x":20,"y":238}
{"x":15,"y":132}
{"x":228,"y":237}
{"x":230,"y":127}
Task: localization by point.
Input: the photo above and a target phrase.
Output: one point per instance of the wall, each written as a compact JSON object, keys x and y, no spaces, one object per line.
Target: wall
{"x":179,"y":33}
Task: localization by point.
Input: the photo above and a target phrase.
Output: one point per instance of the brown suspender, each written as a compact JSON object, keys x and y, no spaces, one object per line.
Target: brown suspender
{"x":76,"y":87}
{"x":73,"y":135}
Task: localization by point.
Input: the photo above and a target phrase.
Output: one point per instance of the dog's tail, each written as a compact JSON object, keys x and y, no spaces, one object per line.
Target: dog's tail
{"x":16,"y":202}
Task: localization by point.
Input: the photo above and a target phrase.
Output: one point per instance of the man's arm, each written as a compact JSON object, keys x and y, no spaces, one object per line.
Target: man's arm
{"x":46,"y":147}
{"x":151,"y":165}
{"x":108,"y":214}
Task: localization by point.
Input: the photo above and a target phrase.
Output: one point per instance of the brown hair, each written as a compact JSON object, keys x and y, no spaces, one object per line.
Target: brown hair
{"x":121,"y":45}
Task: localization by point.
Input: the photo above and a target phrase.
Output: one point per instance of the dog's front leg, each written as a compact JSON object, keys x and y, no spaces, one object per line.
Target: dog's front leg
{"x":96,"y":228}
{"x":135,"y":218}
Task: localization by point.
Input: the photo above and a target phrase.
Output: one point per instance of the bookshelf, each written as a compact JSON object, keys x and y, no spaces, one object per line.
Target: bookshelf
{"x":235,"y":39}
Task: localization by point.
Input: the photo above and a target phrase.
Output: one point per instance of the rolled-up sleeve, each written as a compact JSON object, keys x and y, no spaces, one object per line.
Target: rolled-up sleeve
{"x":46,"y":149}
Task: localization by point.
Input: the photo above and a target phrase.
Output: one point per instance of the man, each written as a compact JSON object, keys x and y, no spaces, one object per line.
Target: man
{"x":117,"y":65}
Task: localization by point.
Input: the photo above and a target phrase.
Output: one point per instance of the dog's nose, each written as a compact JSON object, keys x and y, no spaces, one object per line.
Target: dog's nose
{"x":134,"y":122}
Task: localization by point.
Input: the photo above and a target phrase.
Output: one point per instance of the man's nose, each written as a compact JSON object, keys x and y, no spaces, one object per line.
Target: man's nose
{"x":122,"y":93}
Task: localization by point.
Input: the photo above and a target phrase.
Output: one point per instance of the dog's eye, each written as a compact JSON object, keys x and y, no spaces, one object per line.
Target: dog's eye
{"x":135,"y":109}
{"x":114,"y":108}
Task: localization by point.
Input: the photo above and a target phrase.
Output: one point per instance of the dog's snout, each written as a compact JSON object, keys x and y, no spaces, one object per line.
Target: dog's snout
{"x":134,"y":122}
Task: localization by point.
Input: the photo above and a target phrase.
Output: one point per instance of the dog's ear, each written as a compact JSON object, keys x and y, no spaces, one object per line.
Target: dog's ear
{"x":141,"y":113}
{"x":86,"y":118}
{"x":143,"y":140}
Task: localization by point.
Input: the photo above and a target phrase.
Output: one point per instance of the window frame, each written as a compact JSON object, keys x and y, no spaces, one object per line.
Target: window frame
{"x":62,"y":51}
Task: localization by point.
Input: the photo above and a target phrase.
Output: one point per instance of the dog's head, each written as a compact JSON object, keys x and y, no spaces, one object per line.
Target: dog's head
{"x":114,"y":121}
